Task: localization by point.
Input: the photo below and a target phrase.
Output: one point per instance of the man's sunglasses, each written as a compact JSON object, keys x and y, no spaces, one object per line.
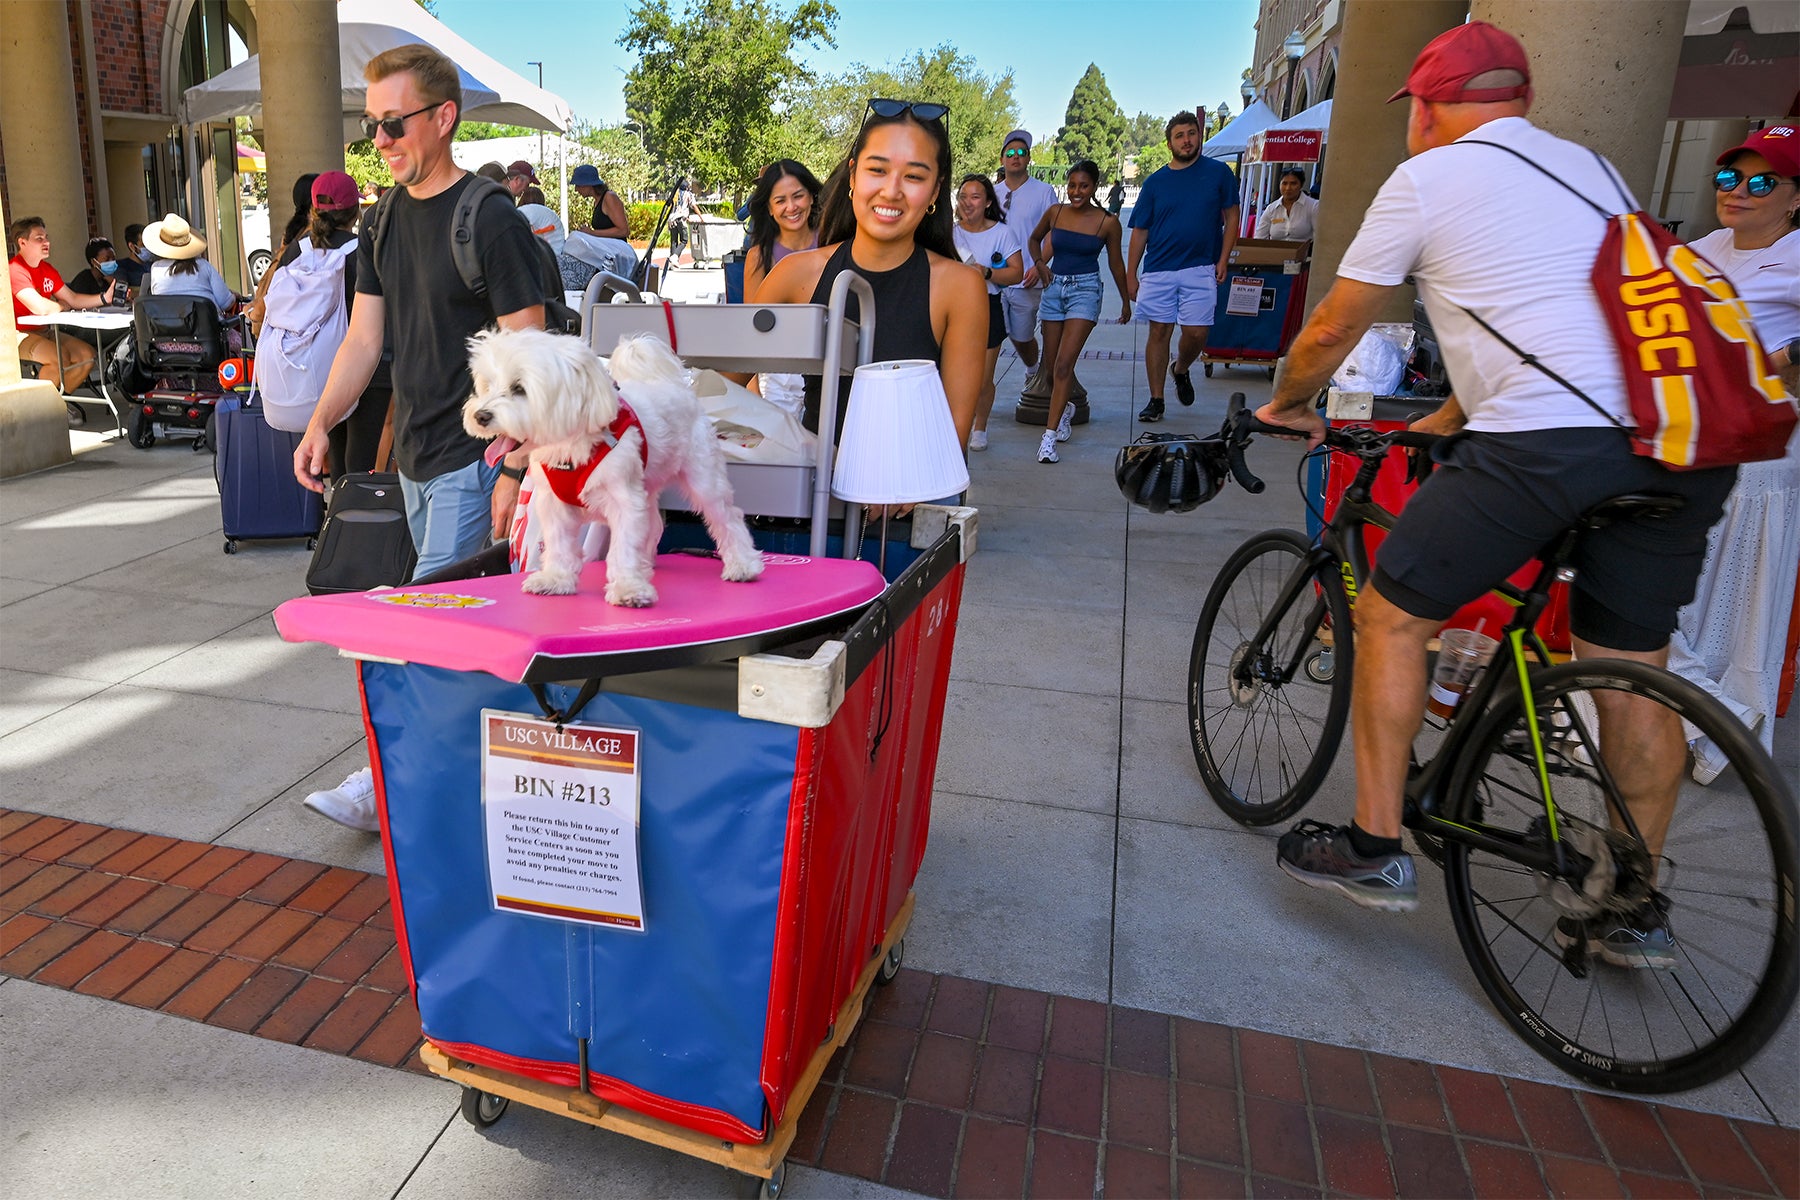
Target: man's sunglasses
{"x":395,"y":127}
{"x":1021,"y":153}
{"x":919,"y":109}
{"x":1727,"y":179}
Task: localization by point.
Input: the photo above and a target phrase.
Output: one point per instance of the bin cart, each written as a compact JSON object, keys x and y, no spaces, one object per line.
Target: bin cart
{"x":1260,"y":305}
{"x":765,"y":753}
{"x":682,"y":977}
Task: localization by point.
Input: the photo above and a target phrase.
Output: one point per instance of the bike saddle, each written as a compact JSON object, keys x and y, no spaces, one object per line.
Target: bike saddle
{"x":1633,"y":505}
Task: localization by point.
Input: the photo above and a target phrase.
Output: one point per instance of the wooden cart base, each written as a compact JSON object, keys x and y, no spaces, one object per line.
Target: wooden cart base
{"x":1208,"y":362}
{"x":765,"y":1160}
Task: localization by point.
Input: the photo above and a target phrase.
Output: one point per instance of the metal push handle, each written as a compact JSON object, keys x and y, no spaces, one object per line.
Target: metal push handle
{"x":841,"y":287}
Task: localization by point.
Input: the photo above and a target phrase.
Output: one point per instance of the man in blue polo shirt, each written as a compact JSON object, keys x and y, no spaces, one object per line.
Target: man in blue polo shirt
{"x":1183,"y":228}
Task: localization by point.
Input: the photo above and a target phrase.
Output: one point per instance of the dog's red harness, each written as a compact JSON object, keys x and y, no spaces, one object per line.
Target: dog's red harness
{"x":568,"y":479}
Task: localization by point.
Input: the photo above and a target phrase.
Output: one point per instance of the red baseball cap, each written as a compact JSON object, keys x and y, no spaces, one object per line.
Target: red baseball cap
{"x":1780,"y":144}
{"x":523,"y":168}
{"x":1450,"y":60}
{"x":332,"y":191}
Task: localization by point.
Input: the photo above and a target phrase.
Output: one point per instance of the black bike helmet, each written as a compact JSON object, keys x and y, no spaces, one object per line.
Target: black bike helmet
{"x":1167,"y":472}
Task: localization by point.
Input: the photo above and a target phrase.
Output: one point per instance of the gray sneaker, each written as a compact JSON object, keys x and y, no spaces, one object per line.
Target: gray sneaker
{"x":1639,"y":940}
{"x":1321,"y":856}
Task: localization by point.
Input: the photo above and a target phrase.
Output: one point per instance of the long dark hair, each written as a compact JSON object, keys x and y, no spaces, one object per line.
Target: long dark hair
{"x":934,"y":231}
{"x":764,"y":229}
{"x":992,"y":211}
{"x":302,"y":207}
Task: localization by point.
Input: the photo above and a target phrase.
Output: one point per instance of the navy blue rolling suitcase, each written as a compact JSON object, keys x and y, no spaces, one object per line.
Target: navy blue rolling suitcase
{"x":258,"y":494}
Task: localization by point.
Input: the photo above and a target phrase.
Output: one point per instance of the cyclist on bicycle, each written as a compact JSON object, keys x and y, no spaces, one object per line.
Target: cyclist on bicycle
{"x":1479,"y":230}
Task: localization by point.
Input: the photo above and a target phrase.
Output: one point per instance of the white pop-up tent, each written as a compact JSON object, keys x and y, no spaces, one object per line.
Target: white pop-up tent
{"x":1235,"y":136}
{"x":491,"y":92}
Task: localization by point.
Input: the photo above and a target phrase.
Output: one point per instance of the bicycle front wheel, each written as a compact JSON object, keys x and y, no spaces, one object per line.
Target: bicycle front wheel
{"x":1657,"y":1005}
{"x":1266,"y":713}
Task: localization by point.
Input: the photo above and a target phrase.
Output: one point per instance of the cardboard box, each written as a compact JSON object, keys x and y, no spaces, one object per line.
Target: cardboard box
{"x":1266,"y":252}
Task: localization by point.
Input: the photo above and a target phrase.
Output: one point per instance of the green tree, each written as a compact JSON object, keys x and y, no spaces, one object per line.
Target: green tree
{"x":1151,"y":158}
{"x":709,"y":81}
{"x":1093,"y":127}
{"x":363,"y":164}
{"x":822,"y":123}
{"x":480,"y":131}
{"x":1143,"y":130}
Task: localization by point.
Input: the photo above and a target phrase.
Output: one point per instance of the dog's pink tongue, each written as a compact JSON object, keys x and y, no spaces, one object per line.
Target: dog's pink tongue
{"x":498,"y":449}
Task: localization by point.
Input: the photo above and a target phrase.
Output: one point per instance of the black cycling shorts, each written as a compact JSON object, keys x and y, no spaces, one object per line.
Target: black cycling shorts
{"x":996,"y":322}
{"x":1497,"y":499}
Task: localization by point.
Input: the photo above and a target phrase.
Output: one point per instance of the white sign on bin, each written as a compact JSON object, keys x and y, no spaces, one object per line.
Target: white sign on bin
{"x":1245,"y":297}
{"x":560,"y":809}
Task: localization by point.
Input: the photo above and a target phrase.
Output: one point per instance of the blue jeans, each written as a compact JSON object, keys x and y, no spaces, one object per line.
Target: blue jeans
{"x":450,"y":516}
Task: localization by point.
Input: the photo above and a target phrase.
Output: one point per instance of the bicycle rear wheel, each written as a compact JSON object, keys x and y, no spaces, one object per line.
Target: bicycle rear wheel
{"x":1265,"y":715}
{"x":1726,"y":875}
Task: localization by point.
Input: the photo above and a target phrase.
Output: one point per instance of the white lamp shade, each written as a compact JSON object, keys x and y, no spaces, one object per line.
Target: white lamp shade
{"x":899,"y":444}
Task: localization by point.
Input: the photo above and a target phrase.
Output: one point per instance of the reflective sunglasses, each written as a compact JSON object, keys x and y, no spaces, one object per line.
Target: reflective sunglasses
{"x":1020,"y":153}
{"x":1726,"y":179}
{"x":395,"y":127}
{"x":919,"y":109}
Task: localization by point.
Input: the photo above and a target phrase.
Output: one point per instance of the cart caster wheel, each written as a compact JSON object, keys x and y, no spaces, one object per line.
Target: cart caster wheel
{"x":482,"y":1109}
{"x":230,"y":546}
{"x":1208,"y":367}
{"x":772,"y":1188}
{"x":312,"y":543}
{"x":890,"y":966}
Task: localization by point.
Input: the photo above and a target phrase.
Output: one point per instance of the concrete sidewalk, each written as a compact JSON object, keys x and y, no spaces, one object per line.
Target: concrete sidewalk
{"x":1073,"y":850}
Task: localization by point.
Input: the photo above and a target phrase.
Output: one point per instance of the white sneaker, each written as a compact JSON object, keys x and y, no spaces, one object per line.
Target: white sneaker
{"x":978,"y":439}
{"x":1047,"y":447}
{"x":1066,"y":426}
{"x":350,"y":803}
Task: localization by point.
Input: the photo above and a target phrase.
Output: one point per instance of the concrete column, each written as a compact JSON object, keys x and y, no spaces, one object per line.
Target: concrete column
{"x":302,"y":84}
{"x":1367,"y":138}
{"x":43,"y":139}
{"x":1602,"y":72}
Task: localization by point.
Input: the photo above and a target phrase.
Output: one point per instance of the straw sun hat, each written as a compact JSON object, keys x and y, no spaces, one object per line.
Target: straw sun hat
{"x":171,"y":238}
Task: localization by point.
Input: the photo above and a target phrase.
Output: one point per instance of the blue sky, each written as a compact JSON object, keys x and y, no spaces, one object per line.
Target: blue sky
{"x":1158,"y":56}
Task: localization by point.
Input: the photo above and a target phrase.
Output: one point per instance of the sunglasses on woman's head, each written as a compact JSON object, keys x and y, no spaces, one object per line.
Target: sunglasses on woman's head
{"x":395,"y":127}
{"x":1727,"y":179}
{"x":919,"y":109}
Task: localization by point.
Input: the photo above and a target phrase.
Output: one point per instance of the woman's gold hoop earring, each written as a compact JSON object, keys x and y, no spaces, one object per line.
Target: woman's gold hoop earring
{"x":932,"y":211}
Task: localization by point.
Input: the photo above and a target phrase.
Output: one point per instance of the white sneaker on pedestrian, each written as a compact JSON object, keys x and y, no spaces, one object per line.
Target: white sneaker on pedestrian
{"x":1066,"y":426}
{"x":978,"y":439}
{"x":351,"y":803}
{"x":1047,"y":447}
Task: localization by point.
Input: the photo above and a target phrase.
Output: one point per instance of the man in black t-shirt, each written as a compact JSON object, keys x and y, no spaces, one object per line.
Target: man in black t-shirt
{"x":407,"y":279}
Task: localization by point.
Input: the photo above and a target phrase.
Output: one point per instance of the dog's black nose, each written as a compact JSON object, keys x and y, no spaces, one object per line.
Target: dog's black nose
{"x":483,"y":417}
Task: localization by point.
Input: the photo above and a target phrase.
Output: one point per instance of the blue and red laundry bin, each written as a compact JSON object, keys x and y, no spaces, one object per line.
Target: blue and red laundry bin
{"x":776,"y":848}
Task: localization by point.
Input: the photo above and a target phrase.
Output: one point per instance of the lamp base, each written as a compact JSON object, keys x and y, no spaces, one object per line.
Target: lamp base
{"x":1034,"y":401}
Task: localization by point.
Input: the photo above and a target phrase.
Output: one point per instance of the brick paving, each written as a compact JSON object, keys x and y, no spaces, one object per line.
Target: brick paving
{"x":950,"y":1087}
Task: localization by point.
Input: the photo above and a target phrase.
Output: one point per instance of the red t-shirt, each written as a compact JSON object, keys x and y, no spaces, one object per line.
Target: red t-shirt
{"x":42,"y":279}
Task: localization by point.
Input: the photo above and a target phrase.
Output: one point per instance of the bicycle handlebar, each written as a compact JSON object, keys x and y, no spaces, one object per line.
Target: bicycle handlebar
{"x":1241,"y":424}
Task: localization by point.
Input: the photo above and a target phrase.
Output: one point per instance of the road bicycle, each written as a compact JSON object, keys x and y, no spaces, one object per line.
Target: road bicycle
{"x":1514,"y":796}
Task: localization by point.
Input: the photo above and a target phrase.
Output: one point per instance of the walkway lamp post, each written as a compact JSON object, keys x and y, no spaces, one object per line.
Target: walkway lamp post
{"x":1295,"y":49}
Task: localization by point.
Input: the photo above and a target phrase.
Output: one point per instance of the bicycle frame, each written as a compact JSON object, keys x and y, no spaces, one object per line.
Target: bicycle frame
{"x":1341,"y":554}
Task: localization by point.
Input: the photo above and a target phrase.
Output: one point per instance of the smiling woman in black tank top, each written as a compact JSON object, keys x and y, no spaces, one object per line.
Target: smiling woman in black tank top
{"x":888,"y":217}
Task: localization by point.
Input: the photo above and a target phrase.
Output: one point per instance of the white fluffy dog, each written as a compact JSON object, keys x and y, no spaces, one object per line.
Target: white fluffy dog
{"x":596,"y":458}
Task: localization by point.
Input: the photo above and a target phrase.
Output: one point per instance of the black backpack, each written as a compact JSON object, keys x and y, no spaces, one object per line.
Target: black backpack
{"x":558,"y":316}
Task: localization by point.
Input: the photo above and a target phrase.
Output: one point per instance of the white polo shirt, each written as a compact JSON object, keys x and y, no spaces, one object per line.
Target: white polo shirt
{"x":1278,"y":223}
{"x":1029,"y":203}
{"x":1478,"y":229}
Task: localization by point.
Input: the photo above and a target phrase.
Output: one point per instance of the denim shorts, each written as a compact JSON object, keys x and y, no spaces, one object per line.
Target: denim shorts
{"x":1072,"y":298}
